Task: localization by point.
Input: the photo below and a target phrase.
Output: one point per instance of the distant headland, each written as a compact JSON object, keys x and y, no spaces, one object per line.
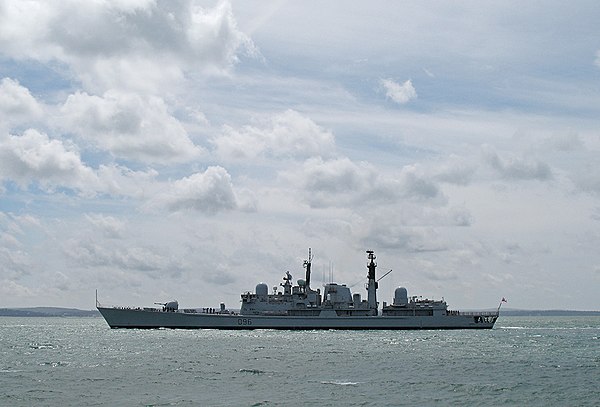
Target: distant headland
{"x":47,"y":312}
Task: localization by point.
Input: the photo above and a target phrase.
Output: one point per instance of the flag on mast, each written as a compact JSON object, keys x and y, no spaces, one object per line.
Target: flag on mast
{"x":499,"y":305}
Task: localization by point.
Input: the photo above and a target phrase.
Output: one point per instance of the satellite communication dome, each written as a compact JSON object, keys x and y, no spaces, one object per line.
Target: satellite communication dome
{"x":400,"y":296}
{"x":262,"y":290}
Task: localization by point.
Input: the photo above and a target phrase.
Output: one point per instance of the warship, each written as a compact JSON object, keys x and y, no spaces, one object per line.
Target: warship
{"x":302,"y":307}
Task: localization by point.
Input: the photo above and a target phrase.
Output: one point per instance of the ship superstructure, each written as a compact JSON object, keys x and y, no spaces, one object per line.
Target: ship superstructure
{"x":302,"y":307}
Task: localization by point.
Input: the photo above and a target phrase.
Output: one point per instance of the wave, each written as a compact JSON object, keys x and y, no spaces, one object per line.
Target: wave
{"x":337,"y":383}
{"x":252,"y":371}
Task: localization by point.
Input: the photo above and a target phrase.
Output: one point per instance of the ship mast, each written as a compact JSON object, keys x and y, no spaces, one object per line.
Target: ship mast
{"x":371,"y":283}
{"x":307,"y":265}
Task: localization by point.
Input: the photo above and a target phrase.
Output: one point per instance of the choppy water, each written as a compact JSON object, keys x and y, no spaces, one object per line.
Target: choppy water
{"x":538,"y":361}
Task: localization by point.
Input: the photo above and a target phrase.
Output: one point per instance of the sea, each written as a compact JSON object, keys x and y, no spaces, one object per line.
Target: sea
{"x":523,"y":361}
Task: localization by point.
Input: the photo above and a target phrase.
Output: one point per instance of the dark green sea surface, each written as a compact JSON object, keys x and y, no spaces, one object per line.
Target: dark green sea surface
{"x":523,"y":361}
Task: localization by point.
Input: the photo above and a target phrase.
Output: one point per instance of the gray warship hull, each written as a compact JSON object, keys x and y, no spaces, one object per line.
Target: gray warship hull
{"x":301,"y":307}
{"x":146,"y":319}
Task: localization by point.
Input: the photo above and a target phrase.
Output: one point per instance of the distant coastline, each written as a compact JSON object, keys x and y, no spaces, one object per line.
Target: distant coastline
{"x":546,"y":313}
{"x":74,"y":312}
{"x":47,"y":312}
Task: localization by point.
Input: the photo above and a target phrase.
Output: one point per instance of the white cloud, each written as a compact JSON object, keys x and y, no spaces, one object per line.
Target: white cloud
{"x":129,"y":126}
{"x":17,"y":105}
{"x":210,"y":192}
{"x":400,"y":94}
{"x":121,"y":181}
{"x":35,"y":158}
{"x":142,"y":45}
{"x":288,"y":134}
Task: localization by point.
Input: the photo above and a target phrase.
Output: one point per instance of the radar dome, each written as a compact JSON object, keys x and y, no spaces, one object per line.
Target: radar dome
{"x":262,"y":290}
{"x":400,"y":296}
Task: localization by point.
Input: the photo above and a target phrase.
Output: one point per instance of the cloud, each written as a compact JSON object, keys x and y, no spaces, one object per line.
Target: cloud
{"x":587,"y":178}
{"x":153,"y":261}
{"x":11,"y":289}
{"x":597,"y":60}
{"x":342,"y":183}
{"x":129,"y":126}
{"x":456,"y":170}
{"x":117,"y":180}
{"x":17,"y":105}
{"x":35,"y":158}
{"x":14,"y":263}
{"x":288,"y":134}
{"x":210,"y":192}
{"x":108,"y":226}
{"x":400,"y":94}
{"x":336,"y":182}
{"x":517,"y":168}
{"x":565,"y":141}
{"x":15,"y":259}
{"x":387,"y":232}
{"x":140,"y":45}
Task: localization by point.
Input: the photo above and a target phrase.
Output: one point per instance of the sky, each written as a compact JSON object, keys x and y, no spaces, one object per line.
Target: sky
{"x":157,"y":150}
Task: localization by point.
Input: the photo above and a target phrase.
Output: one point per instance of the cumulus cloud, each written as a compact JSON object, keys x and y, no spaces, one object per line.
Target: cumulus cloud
{"x":128,"y":45}
{"x":398,"y":93}
{"x":17,"y":105}
{"x":287,"y":134}
{"x":517,"y":168}
{"x":117,"y":180}
{"x":35,"y":158}
{"x":129,"y":126}
{"x":342,"y":182}
{"x":16,"y":99}
{"x":210,"y":192}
